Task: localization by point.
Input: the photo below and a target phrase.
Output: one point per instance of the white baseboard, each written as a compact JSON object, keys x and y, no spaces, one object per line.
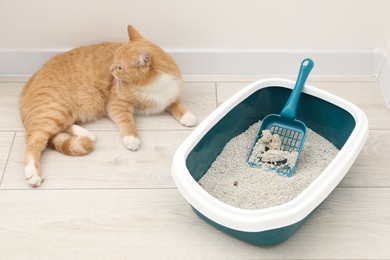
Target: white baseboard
{"x":227,"y":63}
{"x":273,"y":62}
{"x":23,"y":62}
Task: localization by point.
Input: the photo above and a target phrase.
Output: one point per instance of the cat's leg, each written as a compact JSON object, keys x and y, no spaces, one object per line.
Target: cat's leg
{"x":36,"y":140}
{"x":41,"y":126}
{"x":122,"y":114}
{"x":35,"y":143}
{"x":180,"y":112}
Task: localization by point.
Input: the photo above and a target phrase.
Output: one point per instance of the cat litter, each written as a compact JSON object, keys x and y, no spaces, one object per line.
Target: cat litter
{"x":259,"y":188}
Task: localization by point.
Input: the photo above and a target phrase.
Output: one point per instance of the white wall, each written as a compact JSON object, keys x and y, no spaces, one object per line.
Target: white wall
{"x":225,"y":24}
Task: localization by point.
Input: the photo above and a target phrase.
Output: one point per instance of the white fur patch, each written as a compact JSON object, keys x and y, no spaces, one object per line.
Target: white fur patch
{"x":79,"y":131}
{"x":31,"y":173}
{"x":131,"y":142}
{"x":188,"y":119}
{"x":162,"y":92}
{"x":77,"y":146}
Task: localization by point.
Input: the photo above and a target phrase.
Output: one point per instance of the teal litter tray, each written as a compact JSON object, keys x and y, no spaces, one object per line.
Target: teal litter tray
{"x":339,"y":121}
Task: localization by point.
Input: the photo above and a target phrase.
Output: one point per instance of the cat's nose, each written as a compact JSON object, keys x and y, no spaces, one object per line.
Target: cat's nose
{"x":115,"y":68}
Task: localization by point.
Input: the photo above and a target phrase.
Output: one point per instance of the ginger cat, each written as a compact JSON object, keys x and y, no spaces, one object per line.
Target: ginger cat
{"x":108,"y":79}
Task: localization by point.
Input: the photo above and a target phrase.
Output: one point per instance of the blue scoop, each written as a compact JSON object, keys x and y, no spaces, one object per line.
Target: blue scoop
{"x":290,"y":131}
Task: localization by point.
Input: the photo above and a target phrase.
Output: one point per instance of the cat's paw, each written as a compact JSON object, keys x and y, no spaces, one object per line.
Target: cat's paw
{"x":188,"y":119}
{"x":79,"y":131}
{"x":32,"y":176}
{"x":131,"y":142}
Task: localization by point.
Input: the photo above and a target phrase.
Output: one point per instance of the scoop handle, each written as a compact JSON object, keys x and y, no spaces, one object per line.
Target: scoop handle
{"x":290,"y":109}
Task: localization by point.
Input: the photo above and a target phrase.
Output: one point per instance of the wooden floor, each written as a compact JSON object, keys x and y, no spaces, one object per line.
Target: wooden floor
{"x":118,"y":204}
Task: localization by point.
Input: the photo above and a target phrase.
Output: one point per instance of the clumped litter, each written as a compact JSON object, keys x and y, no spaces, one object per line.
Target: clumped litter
{"x":267,"y":152}
{"x":233,"y":182}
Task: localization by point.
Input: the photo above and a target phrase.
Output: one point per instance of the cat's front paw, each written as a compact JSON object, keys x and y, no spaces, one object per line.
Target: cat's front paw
{"x":131,"y":142}
{"x":188,"y":119}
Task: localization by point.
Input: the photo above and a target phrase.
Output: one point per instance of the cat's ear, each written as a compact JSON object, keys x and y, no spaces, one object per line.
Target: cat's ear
{"x":144,"y":59}
{"x":133,"y":33}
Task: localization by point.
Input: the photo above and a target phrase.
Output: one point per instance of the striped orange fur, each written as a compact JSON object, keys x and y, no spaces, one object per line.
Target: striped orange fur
{"x":87,"y":83}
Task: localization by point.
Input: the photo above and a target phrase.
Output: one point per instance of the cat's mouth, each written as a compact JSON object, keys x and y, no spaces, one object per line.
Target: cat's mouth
{"x":113,"y":73}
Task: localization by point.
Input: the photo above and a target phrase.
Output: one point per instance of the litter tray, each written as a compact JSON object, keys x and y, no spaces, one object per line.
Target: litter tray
{"x":339,"y":121}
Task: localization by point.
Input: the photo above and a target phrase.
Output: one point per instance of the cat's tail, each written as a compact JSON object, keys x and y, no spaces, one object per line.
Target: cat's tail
{"x":79,"y":142}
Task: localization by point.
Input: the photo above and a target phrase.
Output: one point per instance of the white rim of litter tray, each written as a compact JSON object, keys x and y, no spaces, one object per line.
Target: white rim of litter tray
{"x":278,"y":216}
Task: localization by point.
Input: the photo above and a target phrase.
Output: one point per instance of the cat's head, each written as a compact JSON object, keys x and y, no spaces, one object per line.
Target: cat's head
{"x":138,"y":60}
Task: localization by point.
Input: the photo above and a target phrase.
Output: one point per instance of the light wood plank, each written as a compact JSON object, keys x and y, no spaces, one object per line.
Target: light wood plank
{"x":6,"y":139}
{"x":353,"y":223}
{"x":378,"y":117}
{"x":359,"y":93}
{"x":111,"y":165}
{"x":371,"y":168}
{"x":368,"y":96}
{"x":225,"y":90}
{"x":9,"y":106}
{"x":158,"y":224}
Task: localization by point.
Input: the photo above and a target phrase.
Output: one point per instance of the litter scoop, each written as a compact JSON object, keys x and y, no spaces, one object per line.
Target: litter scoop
{"x":280,"y":138}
